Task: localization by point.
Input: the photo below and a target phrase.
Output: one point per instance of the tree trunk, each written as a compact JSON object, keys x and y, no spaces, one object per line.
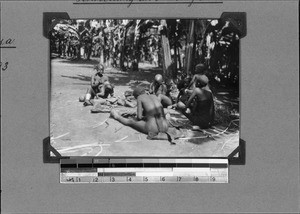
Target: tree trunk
{"x":102,"y":46}
{"x":111,"y":50}
{"x":179,"y":58}
{"x":167,"y":73}
{"x":189,"y":48}
{"x":203,"y":32}
{"x":194,"y":55}
{"x":175,"y":72}
{"x":79,"y":51}
{"x":102,"y":55}
{"x":122,"y":56}
{"x":135,"y":53}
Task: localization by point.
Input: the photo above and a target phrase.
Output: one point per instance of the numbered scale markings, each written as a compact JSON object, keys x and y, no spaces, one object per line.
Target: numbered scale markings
{"x":200,"y":171}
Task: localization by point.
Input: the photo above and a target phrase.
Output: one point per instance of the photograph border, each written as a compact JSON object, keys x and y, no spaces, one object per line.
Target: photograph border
{"x":237,"y":157}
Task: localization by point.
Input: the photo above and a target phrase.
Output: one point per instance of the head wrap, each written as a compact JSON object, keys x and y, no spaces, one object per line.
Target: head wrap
{"x":138,"y":91}
{"x":158,"y":78}
{"x":200,"y":69}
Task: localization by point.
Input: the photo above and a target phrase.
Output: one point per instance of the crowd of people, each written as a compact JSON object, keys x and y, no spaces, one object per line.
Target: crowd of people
{"x":195,"y":100}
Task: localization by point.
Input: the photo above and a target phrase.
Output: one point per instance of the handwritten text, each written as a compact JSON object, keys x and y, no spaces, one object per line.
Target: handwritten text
{"x":6,"y":42}
{"x":3,"y":66}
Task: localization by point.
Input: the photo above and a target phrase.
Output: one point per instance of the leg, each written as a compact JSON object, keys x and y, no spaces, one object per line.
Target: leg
{"x":137,"y":125}
{"x":148,"y":128}
{"x":121,"y":102}
{"x":90,"y":94}
{"x":101,"y":91}
{"x":108,"y":91}
{"x":100,"y":101}
{"x":130,"y":104}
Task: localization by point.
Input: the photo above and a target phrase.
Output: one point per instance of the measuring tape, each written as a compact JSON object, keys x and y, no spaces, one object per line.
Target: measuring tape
{"x":109,"y":170}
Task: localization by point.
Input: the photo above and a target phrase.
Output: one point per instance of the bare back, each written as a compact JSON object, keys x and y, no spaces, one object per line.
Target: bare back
{"x":203,"y":111}
{"x":151,"y":109}
{"x":151,"y":105}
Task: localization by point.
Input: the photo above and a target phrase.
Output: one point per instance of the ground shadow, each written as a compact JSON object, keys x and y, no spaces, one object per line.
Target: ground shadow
{"x":88,"y":84}
{"x":142,"y":78}
{"x":200,"y":141}
{"x":78,"y":77}
{"x":79,"y":61}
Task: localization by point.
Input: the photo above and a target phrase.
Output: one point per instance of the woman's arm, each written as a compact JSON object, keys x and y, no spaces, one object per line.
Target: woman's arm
{"x":101,"y":91}
{"x":139,"y":113}
{"x":151,"y":88}
{"x":192,"y":83}
{"x":196,"y":92}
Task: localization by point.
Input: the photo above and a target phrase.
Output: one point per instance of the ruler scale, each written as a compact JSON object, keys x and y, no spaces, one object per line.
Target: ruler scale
{"x":113,"y":170}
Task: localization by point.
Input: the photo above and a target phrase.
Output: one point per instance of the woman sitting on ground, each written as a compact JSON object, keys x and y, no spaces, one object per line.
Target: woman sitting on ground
{"x":199,"y":108}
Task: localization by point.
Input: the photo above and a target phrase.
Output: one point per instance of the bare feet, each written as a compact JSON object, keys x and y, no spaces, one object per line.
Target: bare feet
{"x":114,"y":114}
{"x":87,"y":103}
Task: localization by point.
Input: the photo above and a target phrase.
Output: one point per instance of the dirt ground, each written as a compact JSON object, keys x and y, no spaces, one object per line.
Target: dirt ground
{"x":75,"y":131}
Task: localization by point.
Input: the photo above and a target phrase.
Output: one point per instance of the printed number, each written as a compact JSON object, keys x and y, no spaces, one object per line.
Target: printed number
{"x":196,"y":179}
{"x":129,"y":179}
{"x":212,"y":178}
{"x":3,"y":66}
{"x":112,"y":179}
{"x":70,"y":179}
{"x":146,"y":179}
{"x":179,"y":178}
{"x":163,"y":179}
{"x":95,"y":180}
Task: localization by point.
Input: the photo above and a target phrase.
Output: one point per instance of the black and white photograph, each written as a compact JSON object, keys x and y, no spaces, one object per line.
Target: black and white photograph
{"x":144,"y":87}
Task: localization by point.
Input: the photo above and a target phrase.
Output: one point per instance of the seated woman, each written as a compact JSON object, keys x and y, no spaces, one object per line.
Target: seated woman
{"x":199,"y":108}
{"x":199,"y":72}
{"x":150,"y":116}
{"x":189,"y":84}
{"x":159,"y":88}
{"x":97,"y":80}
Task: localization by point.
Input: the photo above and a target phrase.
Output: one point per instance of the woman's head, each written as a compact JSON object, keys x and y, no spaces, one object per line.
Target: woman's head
{"x":99,"y":68}
{"x":201,"y":81}
{"x":138,"y":91}
{"x":200,"y":69}
{"x":158,"y":79}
